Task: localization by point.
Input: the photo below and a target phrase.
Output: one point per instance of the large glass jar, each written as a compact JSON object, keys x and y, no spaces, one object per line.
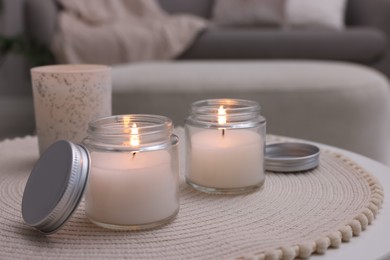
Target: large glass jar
{"x":225,"y":142}
{"x":133,"y":182}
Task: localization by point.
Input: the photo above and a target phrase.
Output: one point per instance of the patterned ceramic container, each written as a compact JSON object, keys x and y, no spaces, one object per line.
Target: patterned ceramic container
{"x":67,"y":98}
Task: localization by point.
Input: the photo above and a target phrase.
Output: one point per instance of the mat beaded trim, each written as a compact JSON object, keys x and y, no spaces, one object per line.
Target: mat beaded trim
{"x":292,"y":215}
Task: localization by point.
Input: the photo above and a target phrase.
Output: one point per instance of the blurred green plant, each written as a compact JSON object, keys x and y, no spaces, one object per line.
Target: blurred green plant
{"x":36,"y":54}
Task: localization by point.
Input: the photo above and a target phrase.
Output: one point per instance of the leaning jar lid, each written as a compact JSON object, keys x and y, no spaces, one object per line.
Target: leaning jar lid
{"x":291,"y":157}
{"x":55,"y":186}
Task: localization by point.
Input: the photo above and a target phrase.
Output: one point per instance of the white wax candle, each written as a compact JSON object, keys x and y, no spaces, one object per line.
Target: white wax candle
{"x":131,"y":190}
{"x":232,"y":160}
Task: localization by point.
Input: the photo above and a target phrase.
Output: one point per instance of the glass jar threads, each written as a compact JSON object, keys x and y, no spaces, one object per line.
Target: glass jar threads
{"x":225,"y":141}
{"x":133,"y":182}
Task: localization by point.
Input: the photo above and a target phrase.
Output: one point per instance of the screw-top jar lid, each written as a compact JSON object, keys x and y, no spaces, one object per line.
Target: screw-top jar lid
{"x":55,"y":186}
{"x":291,"y":157}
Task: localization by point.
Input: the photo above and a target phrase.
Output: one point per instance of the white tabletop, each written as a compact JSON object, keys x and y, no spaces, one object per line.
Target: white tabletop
{"x":374,"y":242}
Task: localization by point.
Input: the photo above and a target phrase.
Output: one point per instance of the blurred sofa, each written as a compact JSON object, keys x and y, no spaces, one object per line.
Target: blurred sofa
{"x":354,"y":96}
{"x":364,"y":40}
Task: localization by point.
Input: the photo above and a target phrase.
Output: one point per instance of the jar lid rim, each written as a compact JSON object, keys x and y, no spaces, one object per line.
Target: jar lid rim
{"x":291,"y":157}
{"x":55,"y":186}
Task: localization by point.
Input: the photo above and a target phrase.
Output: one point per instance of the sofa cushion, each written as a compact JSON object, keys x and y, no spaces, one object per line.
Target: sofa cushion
{"x":197,"y":7}
{"x":354,"y":44}
{"x":328,"y":14}
{"x":248,"y":12}
{"x":41,"y":20}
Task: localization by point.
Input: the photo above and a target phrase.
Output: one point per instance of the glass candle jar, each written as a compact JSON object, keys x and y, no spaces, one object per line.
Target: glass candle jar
{"x":133,"y":182}
{"x":225,"y":141}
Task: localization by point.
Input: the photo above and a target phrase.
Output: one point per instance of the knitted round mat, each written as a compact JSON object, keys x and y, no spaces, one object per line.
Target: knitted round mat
{"x":292,"y":215}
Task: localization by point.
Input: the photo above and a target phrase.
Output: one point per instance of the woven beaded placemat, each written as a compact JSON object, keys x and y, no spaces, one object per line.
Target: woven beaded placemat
{"x":292,"y":215}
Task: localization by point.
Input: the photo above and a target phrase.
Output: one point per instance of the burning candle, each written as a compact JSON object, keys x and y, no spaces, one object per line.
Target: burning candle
{"x":225,"y":150}
{"x":133,"y":182}
{"x":221,"y":116}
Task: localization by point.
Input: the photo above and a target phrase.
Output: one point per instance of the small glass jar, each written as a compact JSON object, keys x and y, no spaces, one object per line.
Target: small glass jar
{"x":133,"y":182}
{"x":225,"y":143}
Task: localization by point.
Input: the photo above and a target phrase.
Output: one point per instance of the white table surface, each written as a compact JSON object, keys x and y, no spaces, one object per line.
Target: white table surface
{"x":374,"y":242}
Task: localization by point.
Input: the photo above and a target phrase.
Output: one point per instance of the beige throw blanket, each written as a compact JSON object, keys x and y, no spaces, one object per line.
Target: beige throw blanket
{"x":120,"y":31}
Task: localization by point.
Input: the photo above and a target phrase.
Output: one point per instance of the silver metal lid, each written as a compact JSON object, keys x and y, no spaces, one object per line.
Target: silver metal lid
{"x":55,"y":186}
{"x":291,"y":157}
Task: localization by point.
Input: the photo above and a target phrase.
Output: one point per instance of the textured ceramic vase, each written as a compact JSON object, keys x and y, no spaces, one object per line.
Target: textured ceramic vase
{"x":67,"y":98}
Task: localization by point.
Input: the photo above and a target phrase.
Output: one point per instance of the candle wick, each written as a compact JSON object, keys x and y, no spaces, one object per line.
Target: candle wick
{"x":133,"y":155}
{"x":223,"y":132}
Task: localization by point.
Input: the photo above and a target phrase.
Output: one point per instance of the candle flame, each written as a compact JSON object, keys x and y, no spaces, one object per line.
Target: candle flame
{"x":134,"y":136}
{"x":126,"y":121}
{"x":221,"y":115}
